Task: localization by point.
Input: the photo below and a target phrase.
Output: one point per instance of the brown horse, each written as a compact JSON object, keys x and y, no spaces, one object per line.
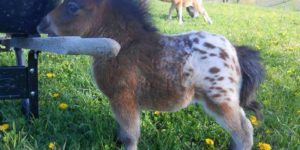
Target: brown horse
{"x":194,"y":7}
{"x":163,"y":72}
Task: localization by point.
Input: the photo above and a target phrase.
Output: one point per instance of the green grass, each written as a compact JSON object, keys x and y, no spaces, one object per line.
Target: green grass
{"x":88,"y":122}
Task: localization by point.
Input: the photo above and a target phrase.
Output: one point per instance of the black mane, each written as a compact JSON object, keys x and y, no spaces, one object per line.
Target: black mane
{"x":137,"y":9}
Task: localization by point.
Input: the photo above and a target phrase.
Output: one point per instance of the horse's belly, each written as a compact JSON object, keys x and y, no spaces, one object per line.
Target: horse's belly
{"x":170,"y":101}
{"x":188,"y":3}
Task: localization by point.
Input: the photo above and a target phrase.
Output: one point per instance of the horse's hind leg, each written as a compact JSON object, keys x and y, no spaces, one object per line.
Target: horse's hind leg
{"x":200,"y":8}
{"x":231,"y":116}
{"x":127,"y":114}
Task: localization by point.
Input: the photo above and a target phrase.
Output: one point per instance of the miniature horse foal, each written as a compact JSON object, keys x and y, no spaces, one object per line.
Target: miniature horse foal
{"x":162,"y":72}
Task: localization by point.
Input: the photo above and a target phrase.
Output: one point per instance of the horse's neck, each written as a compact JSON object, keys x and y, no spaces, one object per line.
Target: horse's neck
{"x":123,"y":31}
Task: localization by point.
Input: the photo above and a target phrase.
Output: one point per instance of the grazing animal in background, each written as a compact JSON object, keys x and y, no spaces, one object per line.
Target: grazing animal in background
{"x":193,"y":7}
{"x":161,"y":72}
{"x":192,"y":12}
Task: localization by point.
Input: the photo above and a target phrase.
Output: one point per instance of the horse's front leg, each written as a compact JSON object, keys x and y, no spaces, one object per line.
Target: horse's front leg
{"x":170,"y":11}
{"x":179,"y":12}
{"x":127,"y":114}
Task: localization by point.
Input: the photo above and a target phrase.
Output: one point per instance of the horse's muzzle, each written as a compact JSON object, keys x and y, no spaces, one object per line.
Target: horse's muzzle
{"x":45,"y":27}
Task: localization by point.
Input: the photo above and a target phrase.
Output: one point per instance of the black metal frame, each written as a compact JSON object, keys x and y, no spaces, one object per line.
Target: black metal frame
{"x":21,"y":82}
{"x":20,"y":18}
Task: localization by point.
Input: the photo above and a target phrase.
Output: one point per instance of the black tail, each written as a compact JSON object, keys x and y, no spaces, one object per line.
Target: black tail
{"x":252,"y":75}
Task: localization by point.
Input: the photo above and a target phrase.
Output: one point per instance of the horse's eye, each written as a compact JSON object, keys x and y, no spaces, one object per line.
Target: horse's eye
{"x":72,"y":7}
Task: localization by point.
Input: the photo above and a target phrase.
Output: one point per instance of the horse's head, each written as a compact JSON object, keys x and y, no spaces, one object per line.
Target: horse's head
{"x":72,"y":17}
{"x":122,"y":20}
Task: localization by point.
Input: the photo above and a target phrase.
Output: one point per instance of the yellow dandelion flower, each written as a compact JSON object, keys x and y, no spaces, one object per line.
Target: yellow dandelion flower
{"x":63,"y":106}
{"x":264,"y":146}
{"x":257,"y":46}
{"x":253,"y":120}
{"x":50,"y":75}
{"x":157,"y":113}
{"x":290,"y":71}
{"x":209,"y":141}
{"x":4,"y":127}
{"x":268,"y":131}
{"x":51,"y":146}
{"x":55,"y":94}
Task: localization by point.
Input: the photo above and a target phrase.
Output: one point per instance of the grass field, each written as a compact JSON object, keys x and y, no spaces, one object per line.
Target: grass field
{"x":88,"y":123}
